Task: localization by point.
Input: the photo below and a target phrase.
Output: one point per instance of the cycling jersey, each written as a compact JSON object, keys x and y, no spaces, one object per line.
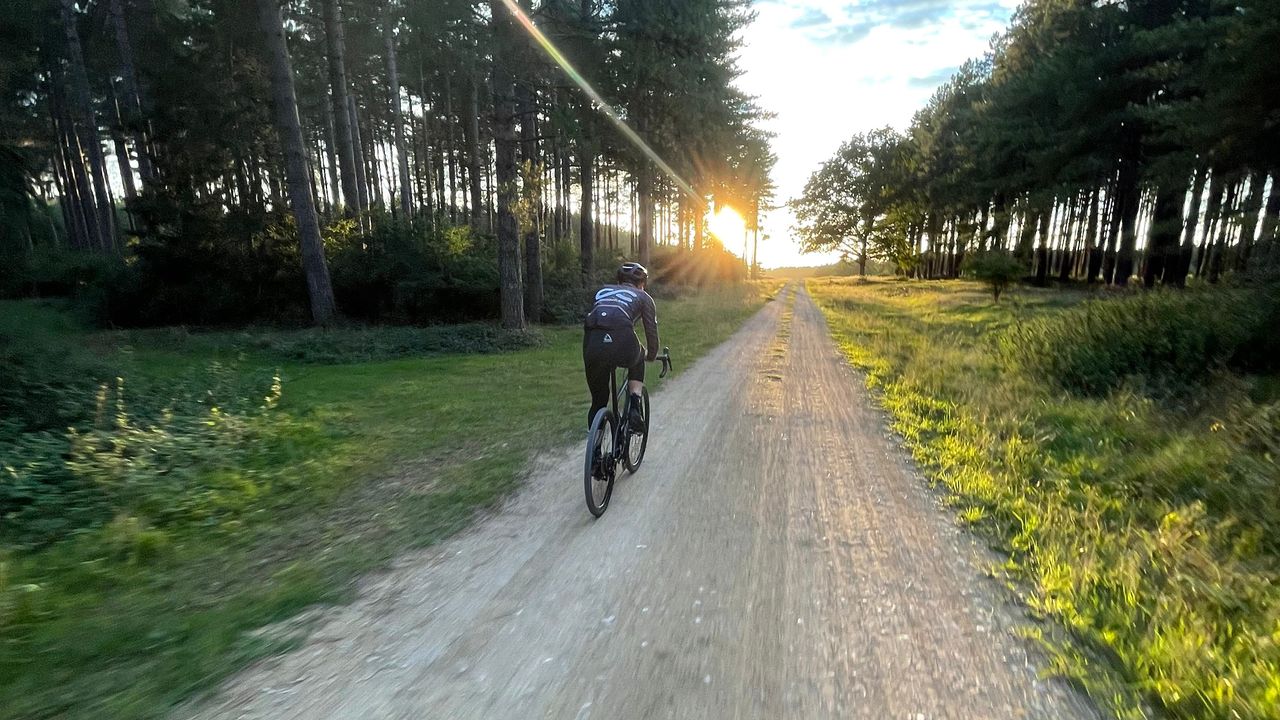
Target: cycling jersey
{"x":609,"y":340}
{"x":619,"y":307}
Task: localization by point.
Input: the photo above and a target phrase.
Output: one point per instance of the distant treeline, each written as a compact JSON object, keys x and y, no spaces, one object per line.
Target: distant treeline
{"x":1095,"y":141}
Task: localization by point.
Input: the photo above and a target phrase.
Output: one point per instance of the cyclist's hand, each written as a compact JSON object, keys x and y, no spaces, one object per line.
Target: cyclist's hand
{"x":652,"y":357}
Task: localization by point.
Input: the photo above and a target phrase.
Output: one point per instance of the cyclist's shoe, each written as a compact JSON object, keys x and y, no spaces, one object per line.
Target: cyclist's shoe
{"x":636,"y":419}
{"x":597,"y":466}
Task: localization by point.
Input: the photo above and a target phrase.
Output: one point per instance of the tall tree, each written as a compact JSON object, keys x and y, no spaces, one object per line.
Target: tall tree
{"x":504,"y":136}
{"x":389,"y":21}
{"x":133,"y":115}
{"x":289,"y":127}
{"x":335,"y":42}
{"x":85,"y":123}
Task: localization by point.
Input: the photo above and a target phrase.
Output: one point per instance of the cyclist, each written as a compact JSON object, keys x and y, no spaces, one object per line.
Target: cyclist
{"x":609,"y":340}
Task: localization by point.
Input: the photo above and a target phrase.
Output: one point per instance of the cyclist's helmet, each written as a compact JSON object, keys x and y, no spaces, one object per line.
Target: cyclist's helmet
{"x":632,"y":272}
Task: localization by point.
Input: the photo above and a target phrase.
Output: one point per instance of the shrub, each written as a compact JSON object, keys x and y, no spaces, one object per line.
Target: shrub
{"x":995,"y":268}
{"x":46,"y":375}
{"x":711,"y":265}
{"x":163,"y":458}
{"x":406,"y":272}
{"x":352,"y":345}
{"x":1169,"y":341}
{"x":564,"y":300}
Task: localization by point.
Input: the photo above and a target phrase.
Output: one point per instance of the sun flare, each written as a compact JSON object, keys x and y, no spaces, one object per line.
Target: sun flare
{"x":727,"y":224}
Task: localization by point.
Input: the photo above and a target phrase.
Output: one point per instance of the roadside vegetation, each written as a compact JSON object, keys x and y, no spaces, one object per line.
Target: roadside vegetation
{"x":1122,"y":450}
{"x":213,"y":483}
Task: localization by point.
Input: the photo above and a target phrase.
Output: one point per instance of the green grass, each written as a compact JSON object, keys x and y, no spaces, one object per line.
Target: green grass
{"x":1146,"y":529}
{"x":353,"y":464}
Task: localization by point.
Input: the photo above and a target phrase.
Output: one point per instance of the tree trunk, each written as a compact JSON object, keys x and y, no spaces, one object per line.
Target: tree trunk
{"x":533,"y":199}
{"x":1187,"y":250}
{"x":289,"y":129}
{"x":586,"y":181}
{"x":1000,"y":223}
{"x":122,"y":153}
{"x":1067,"y":247}
{"x":1219,"y":249}
{"x":335,"y":174}
{"x":357,"y":151}
{"x":1163,"y":261}
{"x":471,"y":131}
{"x":1269,"y":238}
{"x":1026,"y":234}
{"x":451,"y":149}
{"x":644,"y":190}
{"x":83,"y":228}
{"x":1042,"y":249}
{"x":85,"y":123}
{"x":699,"y":210}
{"x":61,"y":182}
{"x":1091,"y":238}
{"x":393,"y":85}
{"x":1249,"y":221}
{"x":1128,"y":202}
{"x":504,"y":136}
{"x":1211,"y":215}
{"x":133,"y":115}
{"x":1112,"y":215}
{"x":755,"y":253}
{"x":335,"y":44}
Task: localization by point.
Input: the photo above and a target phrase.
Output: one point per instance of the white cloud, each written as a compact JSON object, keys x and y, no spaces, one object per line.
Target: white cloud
{"x":823,"y":91}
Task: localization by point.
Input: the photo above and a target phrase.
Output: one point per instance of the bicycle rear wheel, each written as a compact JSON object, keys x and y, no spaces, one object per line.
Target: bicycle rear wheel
{"x":598,"y":476}
{"x":638,"y":438}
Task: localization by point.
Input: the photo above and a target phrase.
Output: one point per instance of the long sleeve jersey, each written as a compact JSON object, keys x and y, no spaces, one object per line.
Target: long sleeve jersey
{"x":620,"y":307}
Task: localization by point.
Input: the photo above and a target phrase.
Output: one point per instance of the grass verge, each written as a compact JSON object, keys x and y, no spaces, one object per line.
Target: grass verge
{"x":1121,"y":514}
{"x":247,"y":513}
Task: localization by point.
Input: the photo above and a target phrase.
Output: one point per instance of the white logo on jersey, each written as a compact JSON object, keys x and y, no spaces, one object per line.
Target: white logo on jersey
{"x":611,"y":292}
{"x":608,"y":338}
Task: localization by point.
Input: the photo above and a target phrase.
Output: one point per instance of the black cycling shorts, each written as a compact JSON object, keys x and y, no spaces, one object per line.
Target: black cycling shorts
{"x":602,"y":351}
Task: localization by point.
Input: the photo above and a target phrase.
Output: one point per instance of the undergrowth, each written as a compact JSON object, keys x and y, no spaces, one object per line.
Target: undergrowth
{"x":153,"y":523}
{"x":1145,"y":522}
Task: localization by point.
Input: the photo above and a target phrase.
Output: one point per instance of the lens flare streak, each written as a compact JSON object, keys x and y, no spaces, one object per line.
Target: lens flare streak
{"x":599,"y":101}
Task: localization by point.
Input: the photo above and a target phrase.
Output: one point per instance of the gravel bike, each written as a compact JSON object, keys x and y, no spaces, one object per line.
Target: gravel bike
{"x":612,"y":441}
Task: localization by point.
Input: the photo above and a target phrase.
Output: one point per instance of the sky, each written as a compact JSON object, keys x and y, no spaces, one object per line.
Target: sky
{"x":830,"y":68}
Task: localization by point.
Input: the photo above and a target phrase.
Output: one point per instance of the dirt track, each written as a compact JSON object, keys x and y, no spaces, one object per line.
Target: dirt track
{"x":775,"y":557}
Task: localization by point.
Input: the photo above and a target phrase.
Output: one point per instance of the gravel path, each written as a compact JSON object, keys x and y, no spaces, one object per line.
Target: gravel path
{"x":776,"y":557}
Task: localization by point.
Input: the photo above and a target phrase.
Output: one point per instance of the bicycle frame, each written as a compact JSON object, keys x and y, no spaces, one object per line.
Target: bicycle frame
{"x":622,"y":437}
{"x":623,"y":417}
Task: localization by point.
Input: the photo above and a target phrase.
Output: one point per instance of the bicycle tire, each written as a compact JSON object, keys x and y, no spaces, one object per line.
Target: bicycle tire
{"x":638,"y":442}
{"x":600,"y":439}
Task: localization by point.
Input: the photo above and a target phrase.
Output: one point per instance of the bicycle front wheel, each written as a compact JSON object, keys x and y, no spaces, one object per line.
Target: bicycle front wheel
{"x":601,"y":463}
{"x":638,"y":438}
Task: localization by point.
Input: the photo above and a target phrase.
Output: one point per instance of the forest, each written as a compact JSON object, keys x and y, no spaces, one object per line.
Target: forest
{"x":1098,"y":142}
{"x":218,"y":162}
{"x":291,"y":288}
{"x":260,"y":261}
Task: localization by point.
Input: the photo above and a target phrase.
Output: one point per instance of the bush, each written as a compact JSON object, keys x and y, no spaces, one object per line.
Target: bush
{"x":564,"y":300}
{"x":163,"y":457}
{"x":995,"y":268}
{"x":46,"y":374}
{"x":712,"y":265}
{"x":366,"y":344}
{"x":405,"y":272}
{"x":1169,"y":341}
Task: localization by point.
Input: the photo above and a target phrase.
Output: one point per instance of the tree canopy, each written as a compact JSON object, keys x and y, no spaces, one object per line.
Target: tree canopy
{"x":1093,"y":141}
{"x":149,"y":134}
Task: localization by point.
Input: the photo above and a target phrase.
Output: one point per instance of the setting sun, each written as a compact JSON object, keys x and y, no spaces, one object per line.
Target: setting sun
{"x":727,"y":225}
